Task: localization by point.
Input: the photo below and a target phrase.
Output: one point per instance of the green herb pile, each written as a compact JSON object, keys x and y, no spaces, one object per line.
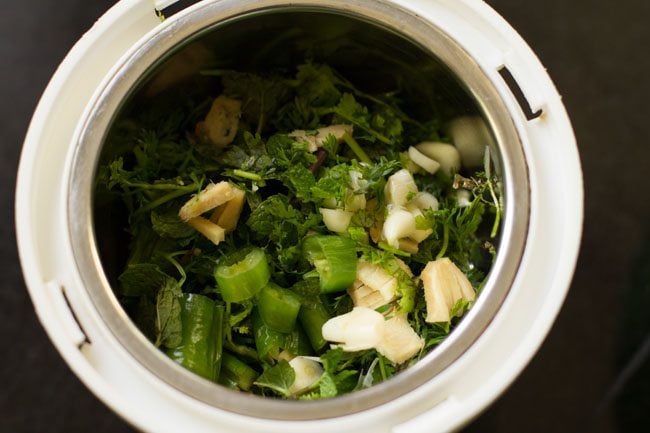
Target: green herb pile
{"x":181,"y":289}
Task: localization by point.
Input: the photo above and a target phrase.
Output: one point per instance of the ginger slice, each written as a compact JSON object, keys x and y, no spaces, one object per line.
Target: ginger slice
{"x":213,"y":195}
{"x":221,"y":123}
{"x":444,"y":284}
{"x":207,"y":228}
{"x":315,"y":139}
{"x":227,"y":215}
{"x":400,"y":342}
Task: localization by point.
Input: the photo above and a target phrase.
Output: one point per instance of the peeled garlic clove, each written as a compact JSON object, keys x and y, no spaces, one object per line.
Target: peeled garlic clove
{"x":399,"y":187}
{"x":470,"y":136}
{"x":336,"y":220}
{"x":445,"y":154}
{"x":421,"y":160}
{"x":400,"y":223}
{"x":424,"y":200}
{"x":360,"y":329}
{"x":308,"y":372}
{"x":419,"y":234}
{"x":354,"y":202}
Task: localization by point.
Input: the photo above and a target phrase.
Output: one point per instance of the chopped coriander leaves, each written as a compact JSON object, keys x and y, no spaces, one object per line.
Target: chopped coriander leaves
{"x":246,"y":309}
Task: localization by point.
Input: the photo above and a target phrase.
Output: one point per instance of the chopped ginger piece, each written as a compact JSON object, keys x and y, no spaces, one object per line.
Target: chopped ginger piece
{"x":222,"y":121}
{"x":444,"y":285}
{"x":315,"y":139}
{"x":209,"y":198}
{"x":227,"y":215}
{"x":210,"y":230}
{"x":400,"y":342}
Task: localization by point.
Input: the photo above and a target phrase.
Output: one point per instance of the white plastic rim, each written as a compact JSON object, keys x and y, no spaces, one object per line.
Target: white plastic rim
{"x":458,"y":394}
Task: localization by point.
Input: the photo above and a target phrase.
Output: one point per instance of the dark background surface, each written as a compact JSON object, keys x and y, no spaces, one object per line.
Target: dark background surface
{"x":593,"y":371}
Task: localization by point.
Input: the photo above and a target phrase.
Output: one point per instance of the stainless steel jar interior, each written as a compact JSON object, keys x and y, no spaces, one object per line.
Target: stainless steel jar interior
{"x":368,"y":41}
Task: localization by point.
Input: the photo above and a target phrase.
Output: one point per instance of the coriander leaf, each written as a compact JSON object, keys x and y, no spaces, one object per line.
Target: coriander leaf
{"x":383,"y":125}
{"x":349,"y":110}
{"x":387,"y":122}
{"x":278,"y":221}
{"x":286,"y":152}
{"x":300,"y":181}
{"x":315,"y":92}
{"x":375,"y":176}
{"x":331,"y":145}
{"x":249,"y":154}
{"x":332,"y":184}
{"x":260,"y":95}
{"x":279,"y":378}
{"x":169,"y":326}
{"x":317,"y":85}
{"x":460,"y":307}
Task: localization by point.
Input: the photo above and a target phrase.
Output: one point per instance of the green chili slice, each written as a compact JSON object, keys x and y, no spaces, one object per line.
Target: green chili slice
{"x":278,"y":307}
{"x":202,"y":336}
{"x":313,"y":316}
{"x":269,"y":342}
{"x":335,"y":260}
{"x":245,"y":277}
{"x":235,"y":373}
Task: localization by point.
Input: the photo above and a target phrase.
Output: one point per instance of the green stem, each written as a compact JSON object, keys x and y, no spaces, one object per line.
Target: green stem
{"x":384,"y":246}
{"x":167,"y":197}
{"x":445,"y":242}
{"x":382,"y":367}
{"x":495,"y":200}
{"x":179,"y":268}
{"x":247,"y":175}
{"x":377,"y":135}
{"x":356,"y":148}
{"x":154,"y":186}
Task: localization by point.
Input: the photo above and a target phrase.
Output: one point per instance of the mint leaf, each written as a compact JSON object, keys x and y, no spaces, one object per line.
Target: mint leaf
{"x":142,"y":279}
{"x":169,"y":225}
{"x":327,"y":386}
{"x":169,"y":326}
{"x":279,"y":378}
